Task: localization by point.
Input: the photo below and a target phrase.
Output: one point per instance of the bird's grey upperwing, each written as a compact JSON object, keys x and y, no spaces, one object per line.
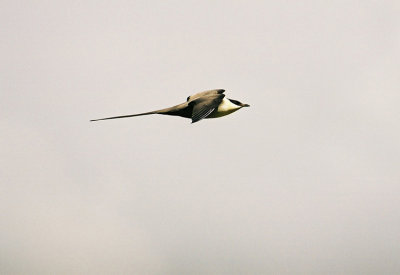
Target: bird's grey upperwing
{"x":182,"y":110}
{"x":205,"y":93}
{"x":205,"y":105}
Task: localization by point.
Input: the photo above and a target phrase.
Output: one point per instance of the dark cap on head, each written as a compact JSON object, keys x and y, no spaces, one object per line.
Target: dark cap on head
{"x":237,"y":102}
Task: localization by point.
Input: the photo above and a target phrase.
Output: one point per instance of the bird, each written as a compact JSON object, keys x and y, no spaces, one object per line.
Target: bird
{"x":207,"y":104}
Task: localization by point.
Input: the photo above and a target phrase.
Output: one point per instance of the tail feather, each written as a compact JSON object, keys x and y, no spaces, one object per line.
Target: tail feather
{"x":114,"y":117}
{"x":177,"y":110}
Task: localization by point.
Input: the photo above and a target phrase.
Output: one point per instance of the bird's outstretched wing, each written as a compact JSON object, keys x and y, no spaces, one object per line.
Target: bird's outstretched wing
{"x":205,"y":105}
{"x":205,"y":93}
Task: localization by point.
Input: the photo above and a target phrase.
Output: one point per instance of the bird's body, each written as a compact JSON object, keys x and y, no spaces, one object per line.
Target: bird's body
{"x":208,"y":104}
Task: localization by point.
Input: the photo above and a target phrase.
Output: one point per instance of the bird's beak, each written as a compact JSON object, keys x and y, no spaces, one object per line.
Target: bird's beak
{"x":245,"y":105}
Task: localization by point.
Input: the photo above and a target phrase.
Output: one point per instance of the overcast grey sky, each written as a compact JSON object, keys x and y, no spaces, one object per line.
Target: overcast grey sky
{"x":305,"y":181}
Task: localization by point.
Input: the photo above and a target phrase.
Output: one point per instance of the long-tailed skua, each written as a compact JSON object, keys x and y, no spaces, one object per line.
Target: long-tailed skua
{"x":208,"y":104}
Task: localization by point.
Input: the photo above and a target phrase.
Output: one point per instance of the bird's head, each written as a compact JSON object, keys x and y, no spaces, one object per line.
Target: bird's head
{"x":237,"y":102}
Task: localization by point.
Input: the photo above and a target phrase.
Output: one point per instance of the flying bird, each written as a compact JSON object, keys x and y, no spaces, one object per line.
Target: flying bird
{"x":208,"y":104}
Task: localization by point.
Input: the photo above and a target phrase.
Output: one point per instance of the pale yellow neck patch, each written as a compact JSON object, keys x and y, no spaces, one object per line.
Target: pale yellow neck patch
{"x":225,"y":108}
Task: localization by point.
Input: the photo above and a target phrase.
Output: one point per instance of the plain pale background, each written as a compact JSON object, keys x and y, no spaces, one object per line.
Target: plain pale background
{"x":305,"y":181}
